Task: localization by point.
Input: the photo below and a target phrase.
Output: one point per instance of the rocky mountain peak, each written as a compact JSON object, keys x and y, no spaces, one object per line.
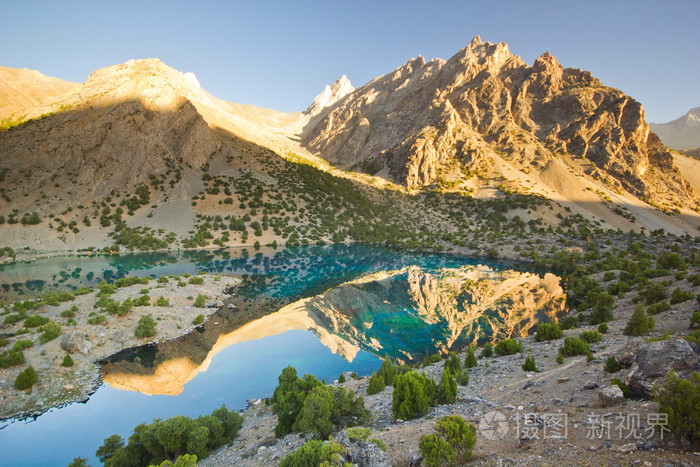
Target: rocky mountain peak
{"x":682,"y":133}
{"x":330,"y":95}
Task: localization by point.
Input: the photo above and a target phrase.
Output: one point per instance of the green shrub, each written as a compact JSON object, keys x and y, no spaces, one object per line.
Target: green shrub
{"x":603,"y":328}
{"x":146,"y":327}
{"x":83,"y":291}
{"x":695,"y":319}
{"x":560,"y":359}
{"x":313,"y":453}
{"x":162,"y":302}
{"x":654,"y":293}
{"x":574,"y":346}
{"x":388,"y":371}
{"x":453,"y":441}
{"x":68,"y":313}
{"x":569,"y":322}
{"x":694,"y":279}
{"x":529,"y":364}
{"x":357,"y":433}
{"x":608,"y":276}
{"x":508,"y":347}
{"x":326,"y":410}
{"x":413,"y":395}
{"x":67,"y":361}
{"x":288,"y":398}
{"x":50,"y":330}
{"x":487,"y":351}
{"x":3,"y":342}
{"x":97,"y":319}
{"x":470,"y":359}
{"x":659,"y":307}
{"x":26,"y":379}
{"x":453,"y":364}
{"x":591,"y":336}
{"x":680,"y":399}
{"x":624,"y":388}
{"x":547,"y":332}
{"x":11,"y":358}
{"x":197,"y":280}
{"x":462,"y":378}
{"x":376,"y":384}
{"x":611,"y":365}
{"x":639,"y":324}
{"x":22,"y":344}
{"x":380,"y":444}
{"x":679,"y":296}
{"x":35,"y":321}
{"x":198,"y":320}
{"x":447,"y":388}
{"x":200,"y":301}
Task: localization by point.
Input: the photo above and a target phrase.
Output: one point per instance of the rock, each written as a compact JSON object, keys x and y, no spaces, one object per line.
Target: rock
{"x":76,"y":342}
{"x":626,"y":448}
{"x":655,"y":359}
{"x":590,"y":385}
{"x":528,"y":384}
{"x":610,"y":395}
{"x":362,"y":453}
{"x":563,"y":380}
{"x":625,"y":357}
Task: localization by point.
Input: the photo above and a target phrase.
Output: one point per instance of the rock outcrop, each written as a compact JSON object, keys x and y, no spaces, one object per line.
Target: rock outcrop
{"x":655,"y":359}
{"x":330,"y":95}
{"x":426,"y":120}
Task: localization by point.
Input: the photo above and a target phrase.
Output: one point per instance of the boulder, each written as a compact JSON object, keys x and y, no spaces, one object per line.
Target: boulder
{"x":625,"y":357}
{"x":610,"y":395}
{"x":655,"y":359}
{"x":362,"y":453}
{"x":76,"y":342}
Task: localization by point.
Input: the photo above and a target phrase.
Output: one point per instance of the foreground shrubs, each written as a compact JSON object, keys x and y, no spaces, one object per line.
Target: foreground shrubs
{"x":26,"y":379}
{"x":305,"y":404}
{"x":146,"y":327}
{"x":152,"y":444}
{"x":315,"y":452}
{"x":413,"y":395}
{"x":574,"y":346}
{"x":547,"y":332}
{"x":639,"y":324}
{"x":680,"y":399}
{"x":508,"y":347}
{"x":452,"y":442}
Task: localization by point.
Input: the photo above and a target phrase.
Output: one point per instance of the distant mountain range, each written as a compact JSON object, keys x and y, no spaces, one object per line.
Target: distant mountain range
{"x":142,"y":145}
{"x":682,"y":134}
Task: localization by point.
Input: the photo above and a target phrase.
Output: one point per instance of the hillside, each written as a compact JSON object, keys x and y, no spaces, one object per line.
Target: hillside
{"x":429,"y":156}
{"x":23,"y":89}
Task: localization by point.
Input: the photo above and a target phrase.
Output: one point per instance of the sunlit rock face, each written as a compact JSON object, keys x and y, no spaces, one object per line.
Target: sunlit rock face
{"x":405,"y":314}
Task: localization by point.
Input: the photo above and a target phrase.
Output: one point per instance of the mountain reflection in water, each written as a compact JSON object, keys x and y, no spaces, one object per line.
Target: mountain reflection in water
{"x":404,"y":313}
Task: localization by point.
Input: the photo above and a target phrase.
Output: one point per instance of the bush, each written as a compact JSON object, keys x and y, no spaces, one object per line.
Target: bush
{"x":508,"y":347}
{"x":569,"y":322}
{"x":695,"y":319}
{"x":639,"y":324}
{"x":654,"y":293}
{"x":529,"y":364}
{"x":97,"y":319}
{"x":657,"y":308}
{"x":151,"y":443}
{"x":413,"y":395}
{"x":487,"y":351}
{"x":453,"y":441}
{"x":26,"y":379}
{"x":67,"y":361}
{"x":198,"y":320}
{"x":574,"y":346}
{"x":679,"y":296}
{"x":326,"y":410}
{"x":452,"y":363}
{"x":611,"y":365}
{"x":162,"y":301}
{"x":547,"y":332}
{"x":380,"y":444}
{"x":447,"y":388}
{"x":200,"y":301}
{"x":470,"y":359}
{"x":50,"y":330}
{"x":11,"y":358}
{"x":146,"y":327}
{"x":35,"y":321}
{"x":314,"y":453}
{"x":680,"y":399}
{"x":626,"y":391}
{"x":22,"y":344}
{"x":603,"y":328}
{"x":288,"y":398}
{"x":591,"y":336}
{"x":376,"y":384}
{"x":196,"y":280}
{"x":388,"y":371}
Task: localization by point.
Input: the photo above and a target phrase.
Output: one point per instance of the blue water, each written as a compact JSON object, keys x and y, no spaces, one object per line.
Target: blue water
{"x":272,"y":278}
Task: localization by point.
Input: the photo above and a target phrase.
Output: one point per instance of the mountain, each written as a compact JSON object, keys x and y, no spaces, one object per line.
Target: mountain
{"x":139,"y":156}
{"x":23,"y":89}
{"x":682,"y":133}
{"x":330,"y":95}
{"x":428,"y":121}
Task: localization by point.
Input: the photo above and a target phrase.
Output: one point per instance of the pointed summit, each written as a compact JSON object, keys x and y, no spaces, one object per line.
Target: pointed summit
{"x":476,"y":40}
{"x":330,"y":95}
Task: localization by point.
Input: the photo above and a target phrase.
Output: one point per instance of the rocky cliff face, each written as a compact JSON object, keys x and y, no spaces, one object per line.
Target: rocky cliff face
{"x":425,"y":119}
{"x":330,"y":95}
{"x":681,"y":134}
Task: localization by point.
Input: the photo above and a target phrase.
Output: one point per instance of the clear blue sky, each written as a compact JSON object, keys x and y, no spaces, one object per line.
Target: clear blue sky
{"x":280,"y":54}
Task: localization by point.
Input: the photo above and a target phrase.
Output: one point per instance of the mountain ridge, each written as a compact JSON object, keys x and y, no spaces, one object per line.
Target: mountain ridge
{"x":683,"y":133}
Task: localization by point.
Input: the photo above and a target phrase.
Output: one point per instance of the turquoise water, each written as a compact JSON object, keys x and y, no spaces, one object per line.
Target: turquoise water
{"x":271,"y":279}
